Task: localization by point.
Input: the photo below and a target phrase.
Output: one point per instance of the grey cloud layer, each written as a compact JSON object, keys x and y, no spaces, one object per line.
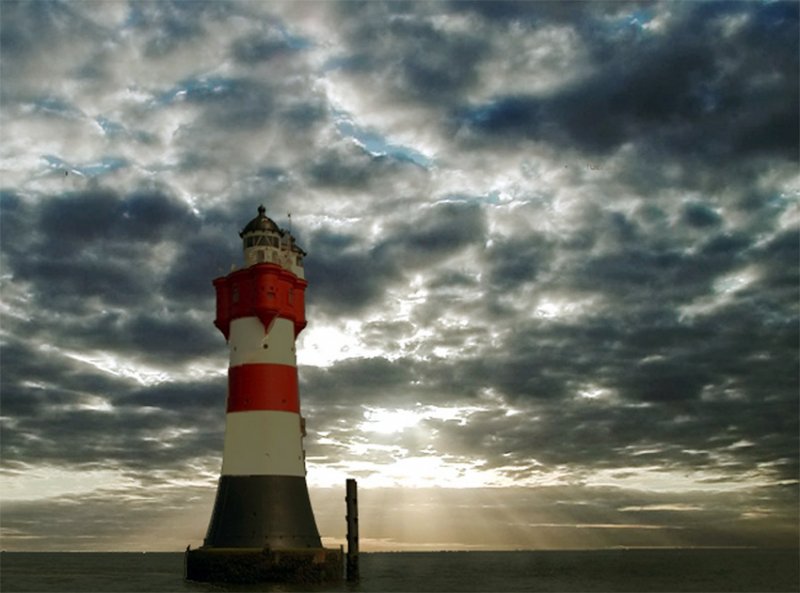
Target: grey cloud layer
{"x":611,"y":254}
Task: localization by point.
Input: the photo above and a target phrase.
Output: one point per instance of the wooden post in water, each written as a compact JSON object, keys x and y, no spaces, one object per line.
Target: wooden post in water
{"x":352,"y":530}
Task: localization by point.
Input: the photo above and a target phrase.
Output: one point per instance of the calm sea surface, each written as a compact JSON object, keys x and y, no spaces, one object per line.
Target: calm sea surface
{"x":606,"y":570}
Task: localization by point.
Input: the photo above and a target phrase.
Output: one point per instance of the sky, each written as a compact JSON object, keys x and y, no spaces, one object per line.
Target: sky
{"x":553,"y":254}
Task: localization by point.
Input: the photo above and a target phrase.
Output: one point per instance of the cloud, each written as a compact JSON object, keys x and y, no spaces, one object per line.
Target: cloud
{"x":552,"y":261}
{"x":170,"y":25}
{"x":668,"y":85}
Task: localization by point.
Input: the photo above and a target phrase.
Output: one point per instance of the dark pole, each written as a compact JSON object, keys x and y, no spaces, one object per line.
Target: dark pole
{"x":352,"y":530}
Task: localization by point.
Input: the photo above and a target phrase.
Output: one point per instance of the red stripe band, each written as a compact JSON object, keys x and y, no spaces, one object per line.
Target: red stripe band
{"x":263,"y":387}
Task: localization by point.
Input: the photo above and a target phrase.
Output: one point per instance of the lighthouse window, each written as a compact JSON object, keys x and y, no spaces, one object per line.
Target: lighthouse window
{"x":256,"y":241}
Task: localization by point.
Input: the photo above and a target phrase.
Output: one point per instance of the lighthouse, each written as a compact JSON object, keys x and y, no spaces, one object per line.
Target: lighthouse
{"x":262,"y":526}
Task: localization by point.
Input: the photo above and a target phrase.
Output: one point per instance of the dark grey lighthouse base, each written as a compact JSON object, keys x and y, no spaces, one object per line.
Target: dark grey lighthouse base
{"x":262,"y":529}
{"x":262,"y":512}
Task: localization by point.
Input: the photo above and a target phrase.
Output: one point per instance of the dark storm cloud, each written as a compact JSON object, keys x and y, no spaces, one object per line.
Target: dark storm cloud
{"x":516,"y":260}
{"x":272,"y":41}
{"x":778,"y":255}
{"x":531,"y":364}
{"x":435,"y":233}
{"x":83,"y":245}
{"x":348,"y":275}
{"x":436,"y":65}
{"x":104,"y":215}
{"x":363,"y":379}
{"x":59,"y":412}
{"x":637,"y":313}
{"x":674,"y":382}
{"x":630,"y":264}
{"x":72,"y":252}
{"x":678,"y":430}
{"x":21,"y":366}
{"x":640,"y":346}
{"x":200,"y":258}
{"x":167,"y":337}
{"x":667,"y":92}
{"x":208,"y":396}
{"x":167,"y":25}
{"x":697,"y":372}
{"x":700,"y":215}
{"x":351,"y":167}
{"x":411,"y":56}
{"x":538,"y":12}
{"x":345,"y":280}
{"x":30,"y":27}
{"x":303,"y":115}
{"x":226,"y":102}
{"x":47,"y":43}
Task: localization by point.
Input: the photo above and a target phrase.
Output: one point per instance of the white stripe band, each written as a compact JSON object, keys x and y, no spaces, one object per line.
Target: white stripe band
{"x":263,"y":443}
{"x":251,"y":344}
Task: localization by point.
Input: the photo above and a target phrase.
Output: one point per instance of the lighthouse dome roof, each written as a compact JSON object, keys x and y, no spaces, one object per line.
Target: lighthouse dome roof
{"x":260,"y":223}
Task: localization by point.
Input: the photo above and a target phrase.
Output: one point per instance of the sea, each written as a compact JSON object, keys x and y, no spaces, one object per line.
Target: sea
{"x":636,"y":570}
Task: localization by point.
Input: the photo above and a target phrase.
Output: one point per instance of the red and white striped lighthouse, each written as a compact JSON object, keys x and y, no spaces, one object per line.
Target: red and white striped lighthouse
{"x":262,"y":498}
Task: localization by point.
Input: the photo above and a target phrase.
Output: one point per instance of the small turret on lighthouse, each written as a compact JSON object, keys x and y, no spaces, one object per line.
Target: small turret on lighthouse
{"x":262,"y":505}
